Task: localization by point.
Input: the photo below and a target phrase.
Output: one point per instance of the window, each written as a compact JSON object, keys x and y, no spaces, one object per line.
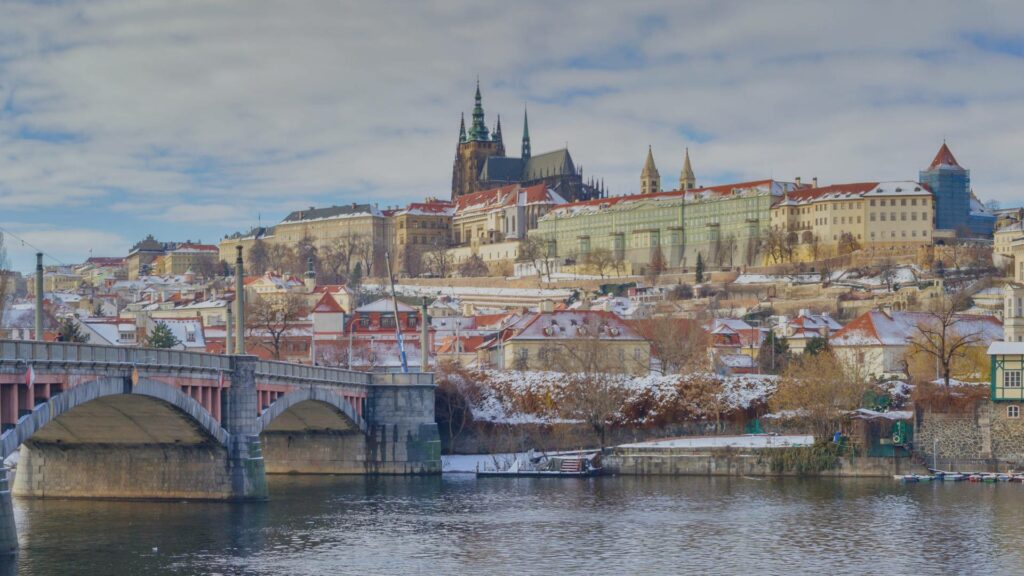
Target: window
{"x":364,"y":320}
{"x":1012,"y":378}
{"x":872,"y":202}
{"x":1013,"y":411}
{"x":913,"y":201}
{"x":872,"y":215}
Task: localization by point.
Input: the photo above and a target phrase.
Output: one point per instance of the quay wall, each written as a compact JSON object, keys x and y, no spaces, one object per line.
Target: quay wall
{"x":725,"y":462}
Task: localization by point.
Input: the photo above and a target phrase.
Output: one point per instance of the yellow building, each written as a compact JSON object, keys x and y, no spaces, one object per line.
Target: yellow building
{"x":360,"y":223}
{"x":1003,"y":242}
{"x":189,"y":257}
{"x":819,"y":222}
{"x":575,"y":341}
{"x":417,"y":229}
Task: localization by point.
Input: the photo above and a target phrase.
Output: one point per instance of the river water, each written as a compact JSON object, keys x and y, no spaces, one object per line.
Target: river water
{"x":457,"y":524}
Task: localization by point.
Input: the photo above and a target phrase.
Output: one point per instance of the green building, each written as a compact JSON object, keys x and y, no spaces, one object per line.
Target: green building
{"x":724,"y":224}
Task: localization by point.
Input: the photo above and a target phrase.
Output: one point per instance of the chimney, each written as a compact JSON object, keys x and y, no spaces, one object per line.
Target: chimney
{"x":546,"y":306}
{"x":815,"y":181}
{"x":797,"y":180}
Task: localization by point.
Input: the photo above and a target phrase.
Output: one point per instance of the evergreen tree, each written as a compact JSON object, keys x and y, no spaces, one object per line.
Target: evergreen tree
{"x":162,"y":337}
{"x":816,"y":345}
{"x":773,"y":354}
{"x":700,"y":268}
{"x":69,"y":331}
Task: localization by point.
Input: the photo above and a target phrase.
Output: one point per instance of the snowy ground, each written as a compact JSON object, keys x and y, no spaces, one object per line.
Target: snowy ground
{"x":745,"y":441}
{"x":467,"y":463}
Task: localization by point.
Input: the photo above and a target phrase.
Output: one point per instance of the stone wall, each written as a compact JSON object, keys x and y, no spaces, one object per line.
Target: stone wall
{"x":983,"y":436}
{"x":314,"y":452}
{"x":726,"y":462}
{"x":403,"y":437}
{"x":165,"y":471}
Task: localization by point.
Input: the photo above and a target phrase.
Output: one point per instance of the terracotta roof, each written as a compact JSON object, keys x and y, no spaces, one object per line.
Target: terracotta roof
{"x":504,"y":196}
{"x":469,"y":344}
{"x":944,"y":158}
{"x":878,"y":328}
{"x":328,"y":305}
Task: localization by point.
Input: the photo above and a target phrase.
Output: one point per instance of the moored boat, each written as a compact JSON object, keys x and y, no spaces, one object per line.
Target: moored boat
{"x":582,"y":464}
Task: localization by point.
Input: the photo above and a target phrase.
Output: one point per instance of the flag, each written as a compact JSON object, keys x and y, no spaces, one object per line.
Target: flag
{"x":30,"y":376}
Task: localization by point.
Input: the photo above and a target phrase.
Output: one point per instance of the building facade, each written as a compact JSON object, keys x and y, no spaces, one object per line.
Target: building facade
{"x":816,"y":221}
{"x":481,"y":163}
{"x":723,"y":224}
{"x":416,"y":230}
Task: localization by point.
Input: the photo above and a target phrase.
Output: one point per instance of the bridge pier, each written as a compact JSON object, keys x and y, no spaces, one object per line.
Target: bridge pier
{"x":245,"y":455}
{"x":403,"y":436}
{"x":8,"y":529}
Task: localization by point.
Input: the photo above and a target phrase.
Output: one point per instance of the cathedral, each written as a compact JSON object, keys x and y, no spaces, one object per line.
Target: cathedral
{"x":481,"y":164}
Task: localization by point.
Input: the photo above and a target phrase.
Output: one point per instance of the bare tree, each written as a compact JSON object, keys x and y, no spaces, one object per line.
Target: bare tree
{"x":656,"y":267}
{"x":280,"y":258}
{"x":945,"y":336}
{"x":677,"y":344}
{"x":473,"y":267}
{"x":600,"y":260}
{"x":270,"y":319}
{"x":456,"y":393}
{"x":534,"y":250}
{"x":259,"y":257}
{"x":439,"y":262}
{"x":848,"y":244}
{"x":819,"y":392}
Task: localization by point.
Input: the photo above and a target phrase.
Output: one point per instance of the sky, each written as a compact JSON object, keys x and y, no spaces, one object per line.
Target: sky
{"x":194,"y":119}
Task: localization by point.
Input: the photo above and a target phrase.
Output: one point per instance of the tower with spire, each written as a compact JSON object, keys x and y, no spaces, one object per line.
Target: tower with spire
{"x":474,"y":147}
{"x":526,"y":136}
{"x":950,"y":184}
{"x":687,"y":181}
{"x":650,"y":180}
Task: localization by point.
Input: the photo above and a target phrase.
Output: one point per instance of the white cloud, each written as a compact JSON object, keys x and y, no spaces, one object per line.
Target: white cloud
{"x":200,"y":113}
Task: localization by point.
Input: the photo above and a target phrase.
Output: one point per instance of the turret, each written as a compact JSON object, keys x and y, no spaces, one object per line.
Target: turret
{"x":650,"y":180}
{"x":687,"y":181}
{"x":462,"y":129}
{"x":478,"y":132}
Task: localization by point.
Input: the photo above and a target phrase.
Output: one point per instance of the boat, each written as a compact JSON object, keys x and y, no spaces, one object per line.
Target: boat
{"x":914,"y":477}
{"x":578,"y":464}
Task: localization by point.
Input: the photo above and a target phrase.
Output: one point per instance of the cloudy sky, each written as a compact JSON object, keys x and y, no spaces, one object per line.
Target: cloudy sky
{"x":191,"y":120}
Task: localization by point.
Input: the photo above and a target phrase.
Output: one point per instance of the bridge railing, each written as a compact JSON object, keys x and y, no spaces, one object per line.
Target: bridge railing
{"x":29,"y":351}
{"x":273,"y":369}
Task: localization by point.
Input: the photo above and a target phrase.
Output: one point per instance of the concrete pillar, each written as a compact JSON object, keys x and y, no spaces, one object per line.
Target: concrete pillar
{"x":39,"y":296}
{"x":245,"y":456}
{"x":424,"y":334}
{"x":227,"y":331}
{"x":8,"y":530}
{"x":239,"y":302}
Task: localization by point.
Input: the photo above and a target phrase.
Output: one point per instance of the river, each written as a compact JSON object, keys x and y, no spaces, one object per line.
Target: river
{"x":457,"y":524}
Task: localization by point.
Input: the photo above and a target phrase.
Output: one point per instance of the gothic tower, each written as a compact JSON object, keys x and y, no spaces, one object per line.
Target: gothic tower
{"x":687,"y":181}
{"x":650,"y":180}
{"x":526,"y":136}
{"x":473,"y":150}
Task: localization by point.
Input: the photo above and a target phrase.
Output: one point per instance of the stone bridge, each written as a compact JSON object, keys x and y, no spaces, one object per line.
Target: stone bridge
{"x":111,"y":422}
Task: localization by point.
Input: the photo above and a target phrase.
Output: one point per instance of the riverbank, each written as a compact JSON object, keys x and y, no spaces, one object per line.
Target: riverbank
{"x":749,"y":455}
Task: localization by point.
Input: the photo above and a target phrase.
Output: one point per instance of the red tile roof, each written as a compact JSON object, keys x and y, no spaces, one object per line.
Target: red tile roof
{"x":944,"y":157}
{"x":503,"y":196}
{"x":328,"y":305}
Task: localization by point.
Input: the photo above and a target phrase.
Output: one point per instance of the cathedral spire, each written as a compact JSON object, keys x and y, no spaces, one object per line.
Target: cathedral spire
{"x":497,"y":131}
{"x":687,"y":181}
{"x":478,"y":132}
{"x":650,"y":180}
{"x":526,"y":136}
{"x":462,"y":128}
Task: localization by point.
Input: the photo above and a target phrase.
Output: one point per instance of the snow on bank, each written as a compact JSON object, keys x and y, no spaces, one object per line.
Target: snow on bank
{"x":745,"y":441}
{"x":468,"y":463}
{"x":531,"y":397}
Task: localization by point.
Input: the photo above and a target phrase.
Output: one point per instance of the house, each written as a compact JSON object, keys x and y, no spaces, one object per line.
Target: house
{"x":370,"y":337}
{"x":189,"y":332}
{"x":876,"y":342}
{"x":805,"y":327}
{"x":572,"y":340}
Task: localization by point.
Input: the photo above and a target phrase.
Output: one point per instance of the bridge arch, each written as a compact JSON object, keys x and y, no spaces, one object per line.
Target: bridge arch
{"x":169,"y":416}
{"x":310,"y":409}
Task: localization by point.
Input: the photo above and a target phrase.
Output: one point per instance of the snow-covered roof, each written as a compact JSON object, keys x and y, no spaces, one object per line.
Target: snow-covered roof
{"x":384,"y":305}
{"x":878,"y":328}
{"x":572,"y":324}
{"x":1006,"y":348}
